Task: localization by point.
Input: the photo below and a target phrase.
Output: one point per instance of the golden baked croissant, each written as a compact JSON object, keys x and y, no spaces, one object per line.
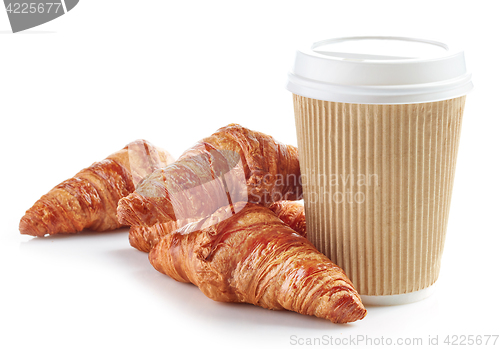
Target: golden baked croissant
{"x":253,"y":257}
{"x":292,"y":214}
{"x":144,"y":238}
{"x":234,"y":164}
{"x":89,"y":199}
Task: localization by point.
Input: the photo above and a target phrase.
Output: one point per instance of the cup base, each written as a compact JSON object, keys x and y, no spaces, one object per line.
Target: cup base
{"x":398,"y":299}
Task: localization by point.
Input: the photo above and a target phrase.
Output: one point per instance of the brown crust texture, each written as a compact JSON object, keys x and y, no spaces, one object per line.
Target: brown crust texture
{"x":253,"y":257}
{"x":292,"y":213}
{"x":234,"y":164}
{"x":89,"y":199}
{"x":144,"y":238}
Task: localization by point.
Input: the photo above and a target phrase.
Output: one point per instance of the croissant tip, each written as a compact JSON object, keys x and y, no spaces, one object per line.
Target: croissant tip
{"x":359,"y":313}
{"x":351,"y":309}
{"x":125,"y":213}
{"x":137,"y":241}
{"x":27,"y":228}
{"x":132,"y":210}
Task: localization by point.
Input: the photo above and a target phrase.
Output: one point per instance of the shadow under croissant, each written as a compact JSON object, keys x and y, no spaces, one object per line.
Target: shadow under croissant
{"x":192,"y":300}
{"x":83,"y":247}
{"x":188,"y":296}
{"x":85,"y":234}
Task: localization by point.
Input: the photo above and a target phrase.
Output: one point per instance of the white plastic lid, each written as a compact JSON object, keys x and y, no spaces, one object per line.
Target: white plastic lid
{"x":379,"y":70}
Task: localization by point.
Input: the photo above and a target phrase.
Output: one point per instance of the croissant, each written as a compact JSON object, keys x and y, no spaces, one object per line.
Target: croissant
{"x":253,"y":257}
{"x":292,"y":214}
{"x":234,"y":164}
{"x":89,"y":199}
{"x":144,"y":238}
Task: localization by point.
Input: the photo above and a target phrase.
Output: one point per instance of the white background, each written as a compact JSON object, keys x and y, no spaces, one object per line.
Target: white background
{"x":74,"y":90}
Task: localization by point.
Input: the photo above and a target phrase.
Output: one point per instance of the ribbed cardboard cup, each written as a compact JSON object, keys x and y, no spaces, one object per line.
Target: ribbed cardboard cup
{"x":377,"y":184}
{"x":378,"y":122}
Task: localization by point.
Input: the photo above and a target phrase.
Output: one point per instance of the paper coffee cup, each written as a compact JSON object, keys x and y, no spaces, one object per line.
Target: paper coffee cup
{"x":378,"y":123}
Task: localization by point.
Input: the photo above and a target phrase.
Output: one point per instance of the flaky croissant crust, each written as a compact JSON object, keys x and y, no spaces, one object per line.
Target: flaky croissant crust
{"x":265,"y":171}
{"x":253,"y":257}
{"x":89,"y":199}
{"x":144,"y":238}
{"x":292,"y":213}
